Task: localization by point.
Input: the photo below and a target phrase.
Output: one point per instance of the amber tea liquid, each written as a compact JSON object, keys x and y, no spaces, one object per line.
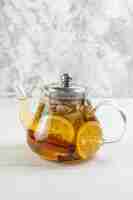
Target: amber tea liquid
{"x":57,"y":138}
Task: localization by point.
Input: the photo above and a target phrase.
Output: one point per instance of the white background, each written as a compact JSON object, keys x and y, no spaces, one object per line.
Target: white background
{"x":90,"y":39}
{"x":93,"y":40}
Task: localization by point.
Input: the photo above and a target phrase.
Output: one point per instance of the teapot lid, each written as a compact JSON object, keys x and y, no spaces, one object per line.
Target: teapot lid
{"x":65,"y":89}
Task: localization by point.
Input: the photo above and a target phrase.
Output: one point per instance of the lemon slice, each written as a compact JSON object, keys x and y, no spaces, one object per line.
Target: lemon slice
{"x":60,"y":127}
{"x":89,"y":139}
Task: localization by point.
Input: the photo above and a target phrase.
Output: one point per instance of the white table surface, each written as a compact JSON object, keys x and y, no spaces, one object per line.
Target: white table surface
{"x":24,"y":176}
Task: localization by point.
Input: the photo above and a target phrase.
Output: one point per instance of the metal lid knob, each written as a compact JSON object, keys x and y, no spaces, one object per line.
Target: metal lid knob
{"x":66,"y":80}
{"x":65,"y":89}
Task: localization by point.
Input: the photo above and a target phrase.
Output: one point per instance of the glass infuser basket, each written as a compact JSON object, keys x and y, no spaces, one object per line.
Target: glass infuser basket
{"x":64,"y":126}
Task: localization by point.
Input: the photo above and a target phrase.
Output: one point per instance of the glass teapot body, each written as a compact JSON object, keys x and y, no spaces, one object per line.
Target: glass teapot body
{"x":64,"y":126}
{"x":58,"y":127}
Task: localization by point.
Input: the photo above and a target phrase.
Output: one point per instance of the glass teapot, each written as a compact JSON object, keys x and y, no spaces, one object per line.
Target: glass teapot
{"x":63,"y":125}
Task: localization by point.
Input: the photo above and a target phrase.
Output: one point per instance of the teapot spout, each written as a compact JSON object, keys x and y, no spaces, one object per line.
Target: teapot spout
{"x":20,"y":91}
{"x":25,"y":113}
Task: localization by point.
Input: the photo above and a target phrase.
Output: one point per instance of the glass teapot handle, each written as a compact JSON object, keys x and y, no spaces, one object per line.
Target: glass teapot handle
{"x":123,"y":116}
